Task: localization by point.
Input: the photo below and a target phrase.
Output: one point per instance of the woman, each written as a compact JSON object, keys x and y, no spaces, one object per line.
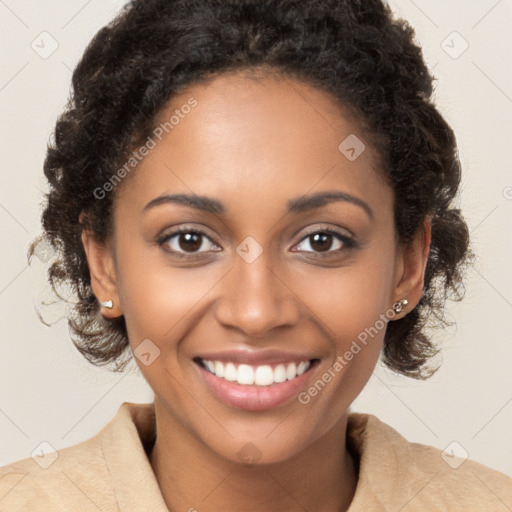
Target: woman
{"x":255,"y":199}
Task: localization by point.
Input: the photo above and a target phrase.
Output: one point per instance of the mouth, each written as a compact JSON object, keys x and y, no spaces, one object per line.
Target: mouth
{"x":248,"y":375}
{"x":252,"y":386}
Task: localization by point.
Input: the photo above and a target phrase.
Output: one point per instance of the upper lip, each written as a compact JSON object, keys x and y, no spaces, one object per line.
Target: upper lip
{"x":259,"y":357}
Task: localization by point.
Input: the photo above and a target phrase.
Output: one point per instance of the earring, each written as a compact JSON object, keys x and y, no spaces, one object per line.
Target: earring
{"x":400,"y":305}
{"x":109,"y":304}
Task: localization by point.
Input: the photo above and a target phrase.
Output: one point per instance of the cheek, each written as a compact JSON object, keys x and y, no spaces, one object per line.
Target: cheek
{"x":351,"y":305}
{"x":347,"y":301}
{"x":160,"y":302}
{"x":164,"y":305}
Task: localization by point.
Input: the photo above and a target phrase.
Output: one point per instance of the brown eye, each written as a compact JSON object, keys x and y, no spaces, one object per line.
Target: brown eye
{"x":190,"y":242}
{"x":321,"y":242}
{"x":324,"y":242}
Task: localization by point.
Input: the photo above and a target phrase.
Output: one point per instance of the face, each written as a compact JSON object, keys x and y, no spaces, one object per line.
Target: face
{"x":256,"y":263}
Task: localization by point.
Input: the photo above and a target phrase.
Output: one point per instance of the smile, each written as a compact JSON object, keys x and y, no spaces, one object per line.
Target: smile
{"x":255,"y":380}
{"x":248,"y":375}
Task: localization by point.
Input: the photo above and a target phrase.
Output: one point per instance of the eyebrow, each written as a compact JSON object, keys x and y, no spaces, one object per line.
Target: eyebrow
{"x":297,"y":205}
{"x":305,"y":203}
{"x":198,"y":202}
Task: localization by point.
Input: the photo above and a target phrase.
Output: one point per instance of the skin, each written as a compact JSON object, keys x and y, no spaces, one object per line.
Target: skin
{"x":254,"y":145}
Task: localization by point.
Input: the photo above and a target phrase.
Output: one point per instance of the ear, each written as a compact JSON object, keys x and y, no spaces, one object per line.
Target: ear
{"x":410,"y":268}
{"x":103,"y":276}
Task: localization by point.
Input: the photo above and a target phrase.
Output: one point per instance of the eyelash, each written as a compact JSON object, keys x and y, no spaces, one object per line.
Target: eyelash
{"x":179,"y":231}
{"x":348,"y":242}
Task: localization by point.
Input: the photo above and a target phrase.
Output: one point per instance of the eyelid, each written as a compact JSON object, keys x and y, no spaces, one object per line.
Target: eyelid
{"x":173,"y":232}
{"x":347,"y":240}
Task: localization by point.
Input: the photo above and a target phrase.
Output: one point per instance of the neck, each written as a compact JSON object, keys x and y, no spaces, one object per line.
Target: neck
{"x":192,"y":477}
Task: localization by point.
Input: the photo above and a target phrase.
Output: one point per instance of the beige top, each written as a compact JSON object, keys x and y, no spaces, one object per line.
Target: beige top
{"x":111,"y":472}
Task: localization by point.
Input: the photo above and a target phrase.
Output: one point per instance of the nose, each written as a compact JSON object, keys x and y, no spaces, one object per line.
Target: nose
{"x":255,"y":299}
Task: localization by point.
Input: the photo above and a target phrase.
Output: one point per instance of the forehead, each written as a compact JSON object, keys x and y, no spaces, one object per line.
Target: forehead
{"x":248,"y":139}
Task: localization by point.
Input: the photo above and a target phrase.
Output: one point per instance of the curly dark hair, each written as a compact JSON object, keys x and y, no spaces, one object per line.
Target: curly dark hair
{"x":353,"y":50}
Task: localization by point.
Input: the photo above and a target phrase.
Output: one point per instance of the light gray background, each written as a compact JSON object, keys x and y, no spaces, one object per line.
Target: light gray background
{"x":49,"y":393}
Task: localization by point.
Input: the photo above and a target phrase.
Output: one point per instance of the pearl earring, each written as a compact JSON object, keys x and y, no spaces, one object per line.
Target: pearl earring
{"x":400,"y":305}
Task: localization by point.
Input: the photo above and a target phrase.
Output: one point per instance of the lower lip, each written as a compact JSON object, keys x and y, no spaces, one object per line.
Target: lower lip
{"x":254,"y":398}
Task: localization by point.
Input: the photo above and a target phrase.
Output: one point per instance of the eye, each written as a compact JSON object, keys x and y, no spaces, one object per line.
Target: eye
{"x":324,"y":241}
{"x":188,"y":241}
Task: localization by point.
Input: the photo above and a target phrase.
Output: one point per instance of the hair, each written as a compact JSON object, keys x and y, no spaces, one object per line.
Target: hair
{"x":354,"y":50}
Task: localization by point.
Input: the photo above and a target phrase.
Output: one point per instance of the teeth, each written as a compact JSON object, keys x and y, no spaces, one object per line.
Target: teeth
{"x":263,"y":375}
{"x":291,"y":371}
{"x":301,"y":368}
{"x":280,"y":373}
{"x":230,"y":372}
{"x":219,"y":369}
{"x":245,"y":375}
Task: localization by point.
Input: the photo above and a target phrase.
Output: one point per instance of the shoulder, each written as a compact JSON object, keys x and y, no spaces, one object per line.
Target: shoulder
{"x":420,"y":477}
{"x":59,"y":480}
{"x":72,"y":478}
